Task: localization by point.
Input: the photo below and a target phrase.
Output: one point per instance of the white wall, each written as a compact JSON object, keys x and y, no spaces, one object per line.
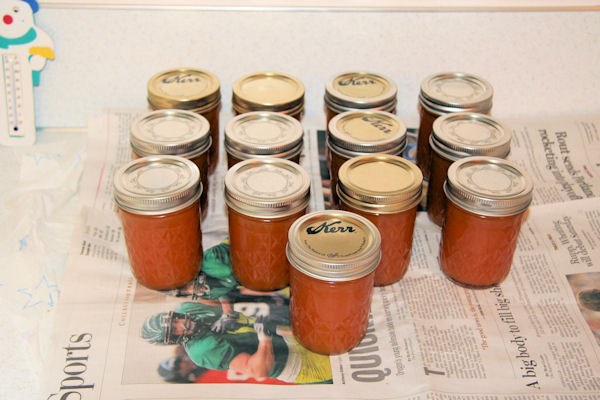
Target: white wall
{"x":539,"y":62}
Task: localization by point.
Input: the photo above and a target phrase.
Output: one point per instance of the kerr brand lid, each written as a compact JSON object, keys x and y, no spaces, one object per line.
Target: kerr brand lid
{"x":176,"y":132}
{"x":380,"y":183}
{"x":157,"y":185}
{"x":353,"y":133}
{"x":459,"y":135}
{"x":456,"y":92}
{"x":184,"y":88}
{"x":334,"y":245}
{"x":268,"y":91}
{"x":489,"y":186}
{"x":267,"y":187}
{"x":360,"y":90}
{"x":263,"y":133}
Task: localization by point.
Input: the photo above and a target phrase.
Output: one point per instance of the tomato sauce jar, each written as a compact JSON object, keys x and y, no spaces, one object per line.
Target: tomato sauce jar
{"x":263,"y":134}
{"x":359,"y":91}
{"x":456,"y":136}
{"x":333,"y":255}
{"x":191,"y":89}
{"x":264,"y":197}
{"x":158,"y":204}
{"x":487,"y":199}
{"x":445,"y":93}
{"x":268,"y":91}
{"x":355,"y":133}
{"x":386,"y":190}
{"x":175,"y":132}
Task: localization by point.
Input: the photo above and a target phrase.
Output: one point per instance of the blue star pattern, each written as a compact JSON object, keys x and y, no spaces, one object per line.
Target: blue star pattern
{"x":43,"y":293}
{"x":23,"y":242}
{"x":38,"y":158}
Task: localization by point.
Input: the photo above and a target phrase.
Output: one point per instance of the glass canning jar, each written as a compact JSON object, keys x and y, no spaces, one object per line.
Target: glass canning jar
{"x":355,"y":133}
{"x":386,"y":190}
{"x":264,"y":197}
{"x":268,"y":91}
{"x":191,"y":89}
{"x":456,"y":136}
{"x":175,"y":132}
{"x":263,"y":134}
{"x":332,"y":255}
{"x":158,"y":204}
{"x":487,"y":199}
{"x":359,"y":91}
{"x":445,"y":93}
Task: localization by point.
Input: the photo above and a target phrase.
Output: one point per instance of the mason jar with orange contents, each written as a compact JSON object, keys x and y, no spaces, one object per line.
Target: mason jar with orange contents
{"x":158,"y":204}
{"x":359,"y":91}
{"x":263,"y":134}
{"x":175,"y":132}
{"x":487,"y":199}
{"x":445,"y":93}
{"x":386,"y":190}
{"x":189,"y":89}
{"x":268,"y":91}
{"x":332,"y":255}
{"x":456,"y":136}
{"x":264,"y":197}
{"x":355,"y":133}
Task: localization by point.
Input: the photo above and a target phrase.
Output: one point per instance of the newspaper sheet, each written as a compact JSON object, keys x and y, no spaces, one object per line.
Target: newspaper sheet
{"x":534,"y":336}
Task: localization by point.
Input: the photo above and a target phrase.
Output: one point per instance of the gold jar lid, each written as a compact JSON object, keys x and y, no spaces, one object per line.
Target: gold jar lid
{"x":268,"y":91}
{"x":354,"y":133}
{"x":184,"y":89}
{"x":267,"y":187}
{"x":334,"y":245}
{"x":262,"y":134}
{"x":380,"y":183}
{"x":176,"y":132}
{"x":360,"y":90}
{"x":456,"y":92}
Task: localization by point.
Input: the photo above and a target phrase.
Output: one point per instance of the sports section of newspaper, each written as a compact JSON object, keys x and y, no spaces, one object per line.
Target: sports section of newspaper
{"x":535,"y":336}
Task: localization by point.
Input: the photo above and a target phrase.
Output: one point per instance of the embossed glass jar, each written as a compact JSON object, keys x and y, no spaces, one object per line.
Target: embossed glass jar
{"x":445,"y":93}
{"x":456,"y":136}
{"x":158,"y":204}
{"x":386,"y":190}
{"x":264,"y":197}
{"x":333,"y":256}
{"x":486,"y":201}
{"x":359,"y":91}
{"x":263,"y":134}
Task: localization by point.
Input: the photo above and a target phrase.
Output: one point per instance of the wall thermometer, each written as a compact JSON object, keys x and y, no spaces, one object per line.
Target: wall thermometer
{"x":17,"y":121}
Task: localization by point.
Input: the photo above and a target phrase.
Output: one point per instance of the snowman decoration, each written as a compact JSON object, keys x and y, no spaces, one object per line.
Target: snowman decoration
{"x":24,"y":49}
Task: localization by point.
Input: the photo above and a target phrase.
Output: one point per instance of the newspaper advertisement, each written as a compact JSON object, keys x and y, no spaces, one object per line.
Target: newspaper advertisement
{"x":534,"y":336}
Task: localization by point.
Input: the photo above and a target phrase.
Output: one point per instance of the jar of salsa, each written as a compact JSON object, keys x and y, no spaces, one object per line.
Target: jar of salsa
{"x":268,"y":91}
{"x":333,"y":256}
{"x":456,"y":136}
{"x":175,"y":132}
{"x":158,"y":204}
{"x":386,"y":190}
{"x":264,"y":197}
{"x":191,"y":89}
{"x":263,"y":134}
{"x":447,"y":93}
{"x":487,"y":198}
{"x":359,"y":91}
{"x":355,"y":133}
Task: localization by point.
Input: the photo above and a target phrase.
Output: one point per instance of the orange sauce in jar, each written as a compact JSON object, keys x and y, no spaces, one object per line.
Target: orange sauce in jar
{"x":332,"y":257}
{"x":158,"y":204}
{"x":264,"y":197}
{"x":487,"y":199}
{"x":386,"y":190}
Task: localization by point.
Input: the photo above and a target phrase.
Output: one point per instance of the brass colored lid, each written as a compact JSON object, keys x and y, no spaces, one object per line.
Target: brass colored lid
{"x":334,"y":245}
{"x":184,"y":89}
{"x":353,"y":133}
{"x":268,"y":91}
{"x":456,"y":92}
{"x":360,"y":90}
{"x":380,"y":183}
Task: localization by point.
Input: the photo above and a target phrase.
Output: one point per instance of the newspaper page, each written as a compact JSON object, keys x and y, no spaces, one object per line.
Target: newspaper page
{"x":534,"y":336}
